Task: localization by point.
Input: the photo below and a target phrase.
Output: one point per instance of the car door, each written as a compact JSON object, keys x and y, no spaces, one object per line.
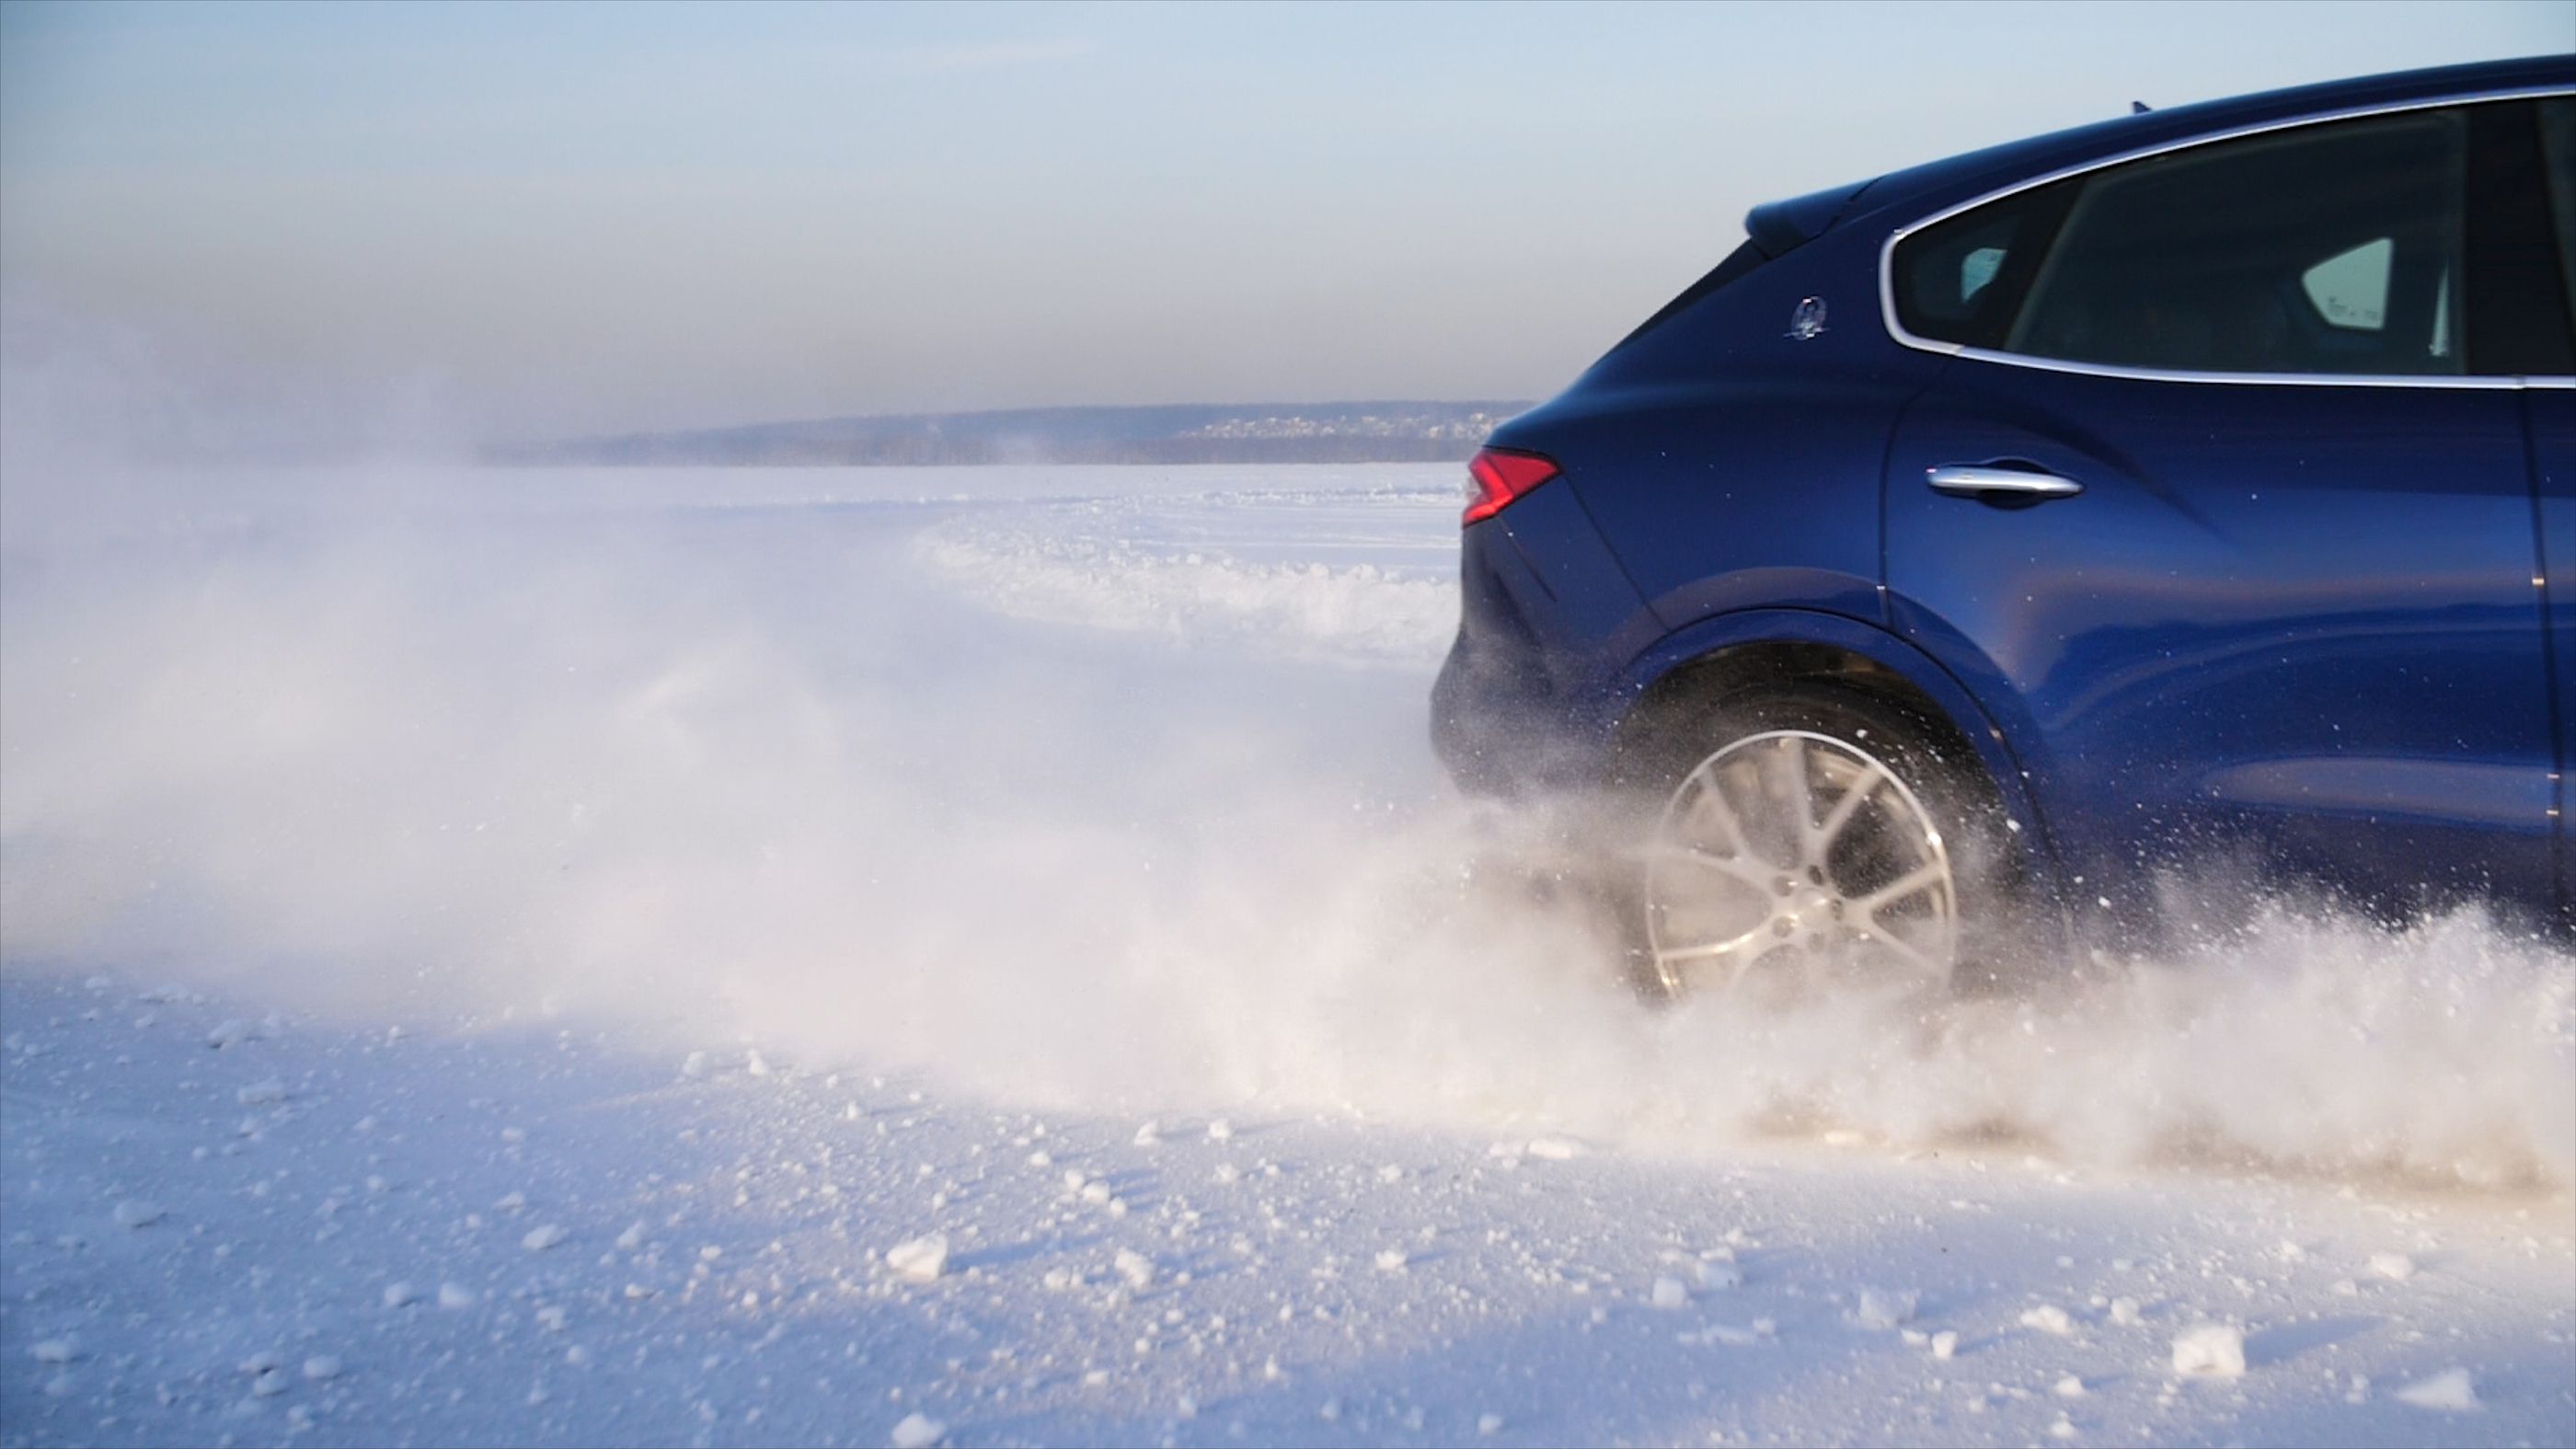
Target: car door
{"x":2213,"y":509}
{"x":2549,"y":403}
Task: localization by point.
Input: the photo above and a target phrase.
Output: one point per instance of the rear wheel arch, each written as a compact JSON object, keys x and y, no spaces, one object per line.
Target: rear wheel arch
{"x":1697,"y":671}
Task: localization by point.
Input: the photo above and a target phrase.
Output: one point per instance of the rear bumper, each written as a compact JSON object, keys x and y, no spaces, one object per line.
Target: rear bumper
{"x":1544,"y":615}
{"x":1503,"y":722}
{"x":1476,"y":709}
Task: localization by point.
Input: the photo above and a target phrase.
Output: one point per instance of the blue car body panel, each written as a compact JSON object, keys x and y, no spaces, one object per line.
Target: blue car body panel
{"x":2550,"y":417}
{"x":2296,"y":620}
{"x":2333,"y":626}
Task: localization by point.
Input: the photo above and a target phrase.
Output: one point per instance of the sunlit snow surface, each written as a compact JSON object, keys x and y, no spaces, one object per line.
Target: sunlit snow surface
{"x":521,"y":949}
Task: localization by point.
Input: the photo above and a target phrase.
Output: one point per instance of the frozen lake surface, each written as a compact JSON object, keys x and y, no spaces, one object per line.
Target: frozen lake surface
{"x":985,"y":956}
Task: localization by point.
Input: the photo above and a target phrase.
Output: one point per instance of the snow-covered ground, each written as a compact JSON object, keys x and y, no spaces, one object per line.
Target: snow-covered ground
{"x":984,"y":956}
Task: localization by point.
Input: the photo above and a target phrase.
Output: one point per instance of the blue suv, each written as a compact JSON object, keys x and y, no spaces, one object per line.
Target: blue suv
{"x":1989,"y":541}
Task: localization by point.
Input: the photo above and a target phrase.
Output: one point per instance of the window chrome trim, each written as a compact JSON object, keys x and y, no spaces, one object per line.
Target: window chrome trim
{"x":2260,"y":379}
{"x":1897,"y":332}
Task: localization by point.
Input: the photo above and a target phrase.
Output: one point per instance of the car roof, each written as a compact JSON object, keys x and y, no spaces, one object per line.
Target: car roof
{"x":1919,"y":188}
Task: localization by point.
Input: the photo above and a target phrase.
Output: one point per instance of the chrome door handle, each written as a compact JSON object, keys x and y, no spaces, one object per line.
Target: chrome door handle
{"x":2003,"y":485}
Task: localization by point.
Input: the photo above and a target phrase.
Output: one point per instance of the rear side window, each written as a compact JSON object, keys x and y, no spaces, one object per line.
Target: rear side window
{"x":2330,"y":249}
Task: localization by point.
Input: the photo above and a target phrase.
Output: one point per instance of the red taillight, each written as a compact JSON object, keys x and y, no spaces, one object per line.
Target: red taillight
{"x":1496,"y":477}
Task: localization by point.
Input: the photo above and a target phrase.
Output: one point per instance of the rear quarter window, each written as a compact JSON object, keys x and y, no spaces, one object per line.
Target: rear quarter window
{"x":1963,"y":280}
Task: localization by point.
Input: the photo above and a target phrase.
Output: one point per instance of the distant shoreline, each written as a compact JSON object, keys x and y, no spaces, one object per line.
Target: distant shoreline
{"x":1365,"y":432}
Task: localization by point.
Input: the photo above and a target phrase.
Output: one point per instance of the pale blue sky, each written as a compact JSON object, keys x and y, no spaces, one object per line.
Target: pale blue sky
{"x":568,"y":217}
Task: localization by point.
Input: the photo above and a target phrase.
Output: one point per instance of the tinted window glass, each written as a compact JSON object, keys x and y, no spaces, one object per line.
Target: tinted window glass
{"x":2558,"y":143}
{"x":1962,"y":280}
{"x":2329,"y":249}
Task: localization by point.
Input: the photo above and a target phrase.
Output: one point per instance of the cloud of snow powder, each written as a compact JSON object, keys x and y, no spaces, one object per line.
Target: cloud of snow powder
{"x":1081,"y":788}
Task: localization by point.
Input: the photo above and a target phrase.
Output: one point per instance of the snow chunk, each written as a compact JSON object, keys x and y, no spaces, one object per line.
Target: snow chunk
{"x":1392,"y":1260}
{"x":55,"y":1350}
{"x":1945,"y":1344}
{"x":2070,"y":1387}
{"x":261,"y":1093}
{"x":1489,"y":1424}
{"x":2450,"y":1390}
{"x":541,"y":1238}
{"x":322,"y":1366}
{"x":1135,"y":1267}
{"x":230,"y":1031}
{"x":135,"y":1212}
{"x":1555,"y":1149}
{"x":2395,"y":1267}
{"x":918,"y":1431}
{"x":919,"y":1260}
{"x":2125,"y":1311}
{"x":2211,"y":1350}
{"x":2048,"y":1318}
{"x":1149,"y":1135}
{"x":398,"y":1295}
{"x":269,"y":1384}
{"x":633,"y":1238}
{"x":1669,"y":1293}
{"x":455,"y":1296}
{"x":1220,"y":1130}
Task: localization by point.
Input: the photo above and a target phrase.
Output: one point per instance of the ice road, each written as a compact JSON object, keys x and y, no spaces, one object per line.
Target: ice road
{"x":985,"y":956}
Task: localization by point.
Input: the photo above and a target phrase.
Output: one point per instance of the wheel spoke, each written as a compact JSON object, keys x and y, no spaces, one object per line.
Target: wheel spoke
{"x":1712,"y":804}
{"x":1840,"y":817}
{"x":1802,"y":797}
{"x":1880,"y":935}
{"x":1677,"y":955}
{"x":1735,"y":868}
{"x":1922,"y":878}
{"x":1783,"y":978}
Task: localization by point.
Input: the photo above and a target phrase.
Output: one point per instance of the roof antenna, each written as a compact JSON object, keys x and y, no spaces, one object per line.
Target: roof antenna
{"x":2139,"y":108}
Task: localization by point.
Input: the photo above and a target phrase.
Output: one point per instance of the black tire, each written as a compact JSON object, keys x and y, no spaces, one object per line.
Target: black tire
{"x":1934,"y":764}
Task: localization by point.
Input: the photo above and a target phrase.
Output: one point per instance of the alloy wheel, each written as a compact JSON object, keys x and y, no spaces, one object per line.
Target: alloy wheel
{"x":1792,"y":863}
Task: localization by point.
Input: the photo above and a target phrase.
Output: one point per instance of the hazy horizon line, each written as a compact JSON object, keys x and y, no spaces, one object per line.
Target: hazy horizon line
{"x":1103,"y":407}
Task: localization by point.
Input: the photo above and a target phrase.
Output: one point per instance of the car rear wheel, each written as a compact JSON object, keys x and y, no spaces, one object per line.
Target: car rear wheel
{"x":1817,"y":842}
